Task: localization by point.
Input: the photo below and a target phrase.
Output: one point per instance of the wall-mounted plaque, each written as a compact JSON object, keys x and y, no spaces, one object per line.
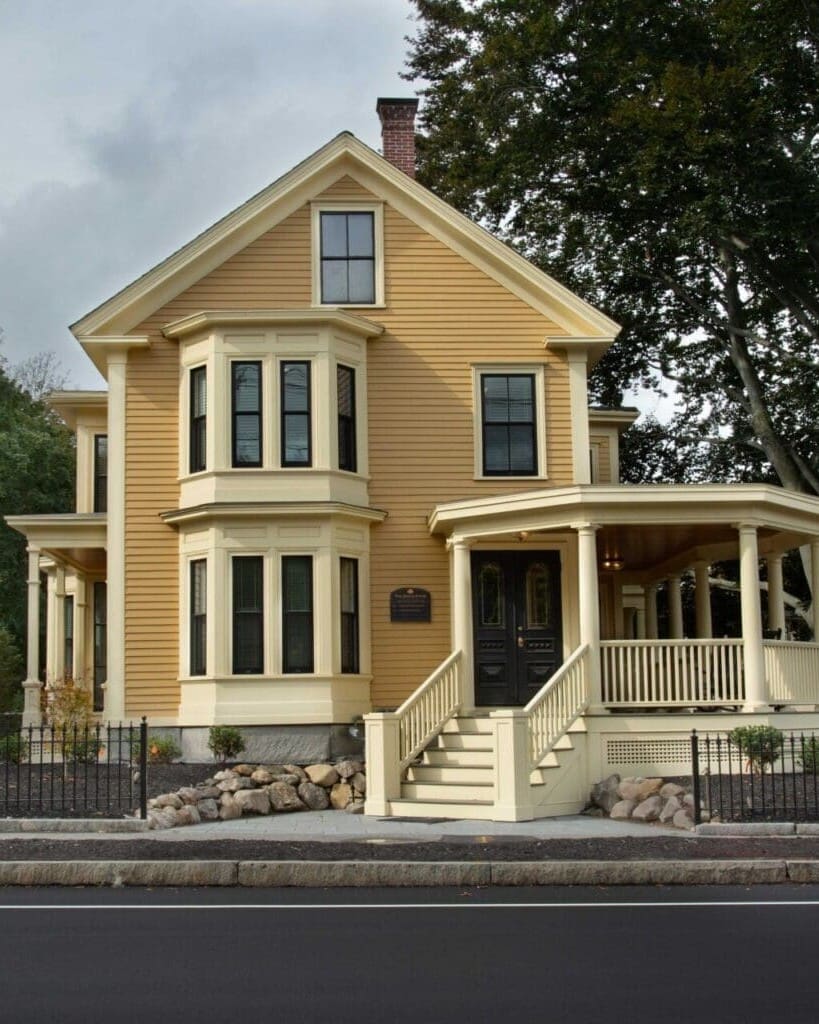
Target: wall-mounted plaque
{"x":410,"y":604}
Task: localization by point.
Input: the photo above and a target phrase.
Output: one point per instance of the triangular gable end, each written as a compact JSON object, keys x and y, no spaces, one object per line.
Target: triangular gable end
{"x":346,"y":155}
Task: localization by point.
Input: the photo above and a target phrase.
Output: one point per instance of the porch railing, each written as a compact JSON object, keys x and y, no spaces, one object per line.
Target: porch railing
{"x":552,"y":711}
{"x":669,"y":673}
{"x":792,"y":671}
{"x":424,"y":714}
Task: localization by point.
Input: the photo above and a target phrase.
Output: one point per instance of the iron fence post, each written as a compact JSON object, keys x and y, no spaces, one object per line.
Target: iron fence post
{"x":143,"y":768}
{"x":695,"y":771}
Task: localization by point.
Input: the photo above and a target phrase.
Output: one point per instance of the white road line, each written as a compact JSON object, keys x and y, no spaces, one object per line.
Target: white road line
{"x":677,"y":904}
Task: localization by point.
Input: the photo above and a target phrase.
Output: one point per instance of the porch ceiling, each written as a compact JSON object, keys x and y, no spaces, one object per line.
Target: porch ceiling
{"x":78,"y":538}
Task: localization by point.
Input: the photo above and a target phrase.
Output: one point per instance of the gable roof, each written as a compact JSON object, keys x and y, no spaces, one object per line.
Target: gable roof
{"x":347,"y":155}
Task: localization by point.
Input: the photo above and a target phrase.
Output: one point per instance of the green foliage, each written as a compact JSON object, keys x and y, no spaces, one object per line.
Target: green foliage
{"x":161,"y":750}
{"x":660,"y":158}
{"x":11,"y":671}
{"x":808,"y":757}
{"x":82,"y":745}
{"x":14,"y":748}
{"x":225,"y":742}
{"x":760,"y":745}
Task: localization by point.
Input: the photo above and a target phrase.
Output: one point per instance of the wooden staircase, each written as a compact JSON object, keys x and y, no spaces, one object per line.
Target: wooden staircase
{"x":455,"y":775}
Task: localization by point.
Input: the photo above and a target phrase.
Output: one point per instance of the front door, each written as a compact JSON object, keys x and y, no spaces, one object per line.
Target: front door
{"x":517,"y":624}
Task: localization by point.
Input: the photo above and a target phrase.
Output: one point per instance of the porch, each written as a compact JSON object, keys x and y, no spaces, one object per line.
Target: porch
{"x":615,"y":674}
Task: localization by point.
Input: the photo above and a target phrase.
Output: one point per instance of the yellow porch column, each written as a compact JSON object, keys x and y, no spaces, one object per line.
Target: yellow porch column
{"x":461,"y":577}
{"x":32,"y":685}
{"x":755,"y":689}
{"x":589,"y":605}
{"x":675,"y":613}
{"x":776,"y":593}
{"x":702,"y":595}
{"x":58,"y":629}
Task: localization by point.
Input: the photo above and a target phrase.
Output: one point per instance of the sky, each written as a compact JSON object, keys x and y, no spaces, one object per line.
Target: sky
{"x":128,"y":127}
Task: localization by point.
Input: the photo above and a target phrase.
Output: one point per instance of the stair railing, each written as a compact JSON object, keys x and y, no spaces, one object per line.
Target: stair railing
{"x":552,"y":711}
{"x":425,"y":713}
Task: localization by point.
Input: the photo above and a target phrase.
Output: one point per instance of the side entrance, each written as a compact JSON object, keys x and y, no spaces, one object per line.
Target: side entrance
{"x":516,"y":612}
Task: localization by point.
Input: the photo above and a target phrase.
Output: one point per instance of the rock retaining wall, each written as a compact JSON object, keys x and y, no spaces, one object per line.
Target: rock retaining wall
{"x":263,"y":789}
{"x":646,"y":800}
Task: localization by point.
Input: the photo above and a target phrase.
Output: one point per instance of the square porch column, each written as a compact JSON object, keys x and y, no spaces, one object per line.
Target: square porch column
{"x":462,"y":636}
{"x":756,"y":697}
{"x":32,"y":715}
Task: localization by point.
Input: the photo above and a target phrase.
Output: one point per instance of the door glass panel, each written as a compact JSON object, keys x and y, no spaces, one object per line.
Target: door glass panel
{"x":538,"y":596}
{"x":490,"y":587}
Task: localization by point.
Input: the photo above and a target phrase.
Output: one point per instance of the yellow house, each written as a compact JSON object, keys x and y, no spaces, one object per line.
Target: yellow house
{"x":345,"y":464}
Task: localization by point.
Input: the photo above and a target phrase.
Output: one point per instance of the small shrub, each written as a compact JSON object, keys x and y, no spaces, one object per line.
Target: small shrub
{"x":82,"y":747}
{"x":161,"y":750}
{"x":225,"y":742}
{"x":14,"y":748}
{"x":760,"y":744}
{"x":808,"y":757}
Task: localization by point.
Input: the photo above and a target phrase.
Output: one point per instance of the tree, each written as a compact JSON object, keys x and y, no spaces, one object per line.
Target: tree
{"x":662,"y":159}
{"x":36,"y":476}
{"x":39,"y":375}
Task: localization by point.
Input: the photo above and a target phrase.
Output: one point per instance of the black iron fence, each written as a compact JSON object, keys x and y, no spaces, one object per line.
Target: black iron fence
{"x":73,"y":769}
{"x":755,"y":773}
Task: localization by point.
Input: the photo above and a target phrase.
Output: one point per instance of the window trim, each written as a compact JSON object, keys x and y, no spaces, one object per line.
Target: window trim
{"x":194,"y":667}
{"x":536,"y":370}
{"x":193,"y":439}
{"x":256,"y":464}
{"x":100,"y":494}
{"x":285,"y":463}
{"x":352,"y":206}
{"x":353,"y":468}
{"x":69,"y":627}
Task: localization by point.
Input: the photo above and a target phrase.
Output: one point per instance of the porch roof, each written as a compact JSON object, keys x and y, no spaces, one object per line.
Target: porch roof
{"x":76,"y":538}
{"x":657,"y":527}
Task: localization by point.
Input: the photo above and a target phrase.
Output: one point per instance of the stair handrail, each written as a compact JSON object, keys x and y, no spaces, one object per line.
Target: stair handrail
{"x":557,"y":705}
{"x":426,"y":711}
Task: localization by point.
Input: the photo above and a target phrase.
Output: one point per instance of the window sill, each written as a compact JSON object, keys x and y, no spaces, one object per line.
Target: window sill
{"x":511,"y":479}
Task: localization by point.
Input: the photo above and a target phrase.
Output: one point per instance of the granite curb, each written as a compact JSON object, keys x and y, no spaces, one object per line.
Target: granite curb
{"x":80,"y":826}
{"x":332,"y":874}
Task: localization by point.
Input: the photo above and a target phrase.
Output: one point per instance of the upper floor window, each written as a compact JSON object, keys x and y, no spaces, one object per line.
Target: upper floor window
{"x":508,"y":424}
{"x":198,"y":419}
{"x":100,"y":472}
{"x":347,"y":258}
{"x":345,"y":387}
{"x":246,"y":413}
{"x":295,"y":415}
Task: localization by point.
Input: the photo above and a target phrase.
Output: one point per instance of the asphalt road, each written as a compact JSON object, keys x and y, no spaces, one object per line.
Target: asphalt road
{"x":547,"y":955}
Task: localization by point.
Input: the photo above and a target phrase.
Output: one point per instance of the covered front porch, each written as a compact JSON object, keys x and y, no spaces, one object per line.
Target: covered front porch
{"x":582,"y":624}
{"x":67,"y":585}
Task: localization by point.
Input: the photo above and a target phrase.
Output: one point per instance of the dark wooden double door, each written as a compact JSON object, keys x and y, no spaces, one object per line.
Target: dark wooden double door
{"x":517,"y":623}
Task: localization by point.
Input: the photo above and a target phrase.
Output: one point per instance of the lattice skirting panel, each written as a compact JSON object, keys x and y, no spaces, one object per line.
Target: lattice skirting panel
{"x":642,"y":755}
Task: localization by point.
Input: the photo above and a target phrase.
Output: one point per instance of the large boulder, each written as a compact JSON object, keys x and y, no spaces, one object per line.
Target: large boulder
{"x":208,"y":809}
{"x":228,"y":808}
{"x":314,"y":797}
{"x":670,"y":808}
{"x":346,"y":769}
{"x":188,"y":815}
{"x":162,"y":817}
{"x":649,"y":809}
{"x":322,"y":774}
{"x":253,"y":801}
{"x":189,"y":795}
{"x":604,"y":794}
{"x":283,"y":797}
{"x":672,"y":789}
{"x":293,"y":769}
{"x":359,"y":782}
{"x":244,"y":769}
{"x":628,"y":789}
{"x":622,"y":810}
{"x":262,"y":777}
{"x":168,"y":800}
{"x":647,"y":788}
{"x":235,"y":784}
{"x":682,"y":819}
{"x":341,"y":795}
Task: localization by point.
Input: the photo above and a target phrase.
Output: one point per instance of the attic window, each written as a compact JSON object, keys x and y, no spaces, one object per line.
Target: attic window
{"x":347,"y":254}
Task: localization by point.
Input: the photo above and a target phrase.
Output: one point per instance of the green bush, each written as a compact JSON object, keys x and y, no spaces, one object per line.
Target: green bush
{"x":14,"y":748}
{"x":161,"y":750}
{"x":808,"y":757}
{"x":225,"y":742}
{"x":761,"y":745}
{"x":82,"y":746}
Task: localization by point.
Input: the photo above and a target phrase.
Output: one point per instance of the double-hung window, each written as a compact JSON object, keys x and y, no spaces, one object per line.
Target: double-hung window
{"x":246,"y":413}
{"x":68,"y":641}
{"x":508,"y":424}
{"x":198,"y":420}
{"x":198,"y":617}
{"x":345,"y":388}
{"x":296,"y":441}
{"x":347,"y":257}
{"x":349,"y":614}
{"x":100,"y":472}
{"x":297,"y":613}
{"x":100,"y":643}
{"x":248,"y":614}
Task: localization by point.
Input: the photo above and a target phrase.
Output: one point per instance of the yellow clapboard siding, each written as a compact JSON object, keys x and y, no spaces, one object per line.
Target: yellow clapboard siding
{"x":442,"y":314}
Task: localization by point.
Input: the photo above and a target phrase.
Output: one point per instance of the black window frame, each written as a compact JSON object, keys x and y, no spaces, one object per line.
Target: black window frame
{"x":198,"y":620}
{"x":100,"y":590}
{"x":68,"y":636}
{"x":235,"y":415}
{"x":295,"y":617}
{"x":285,"y":413}
{"x":347,"y":440}
{"x":100,"y":478}
{"x":532,"y":424}
{"x":198,"y":424}
{"x":347,"y":258}
{"x":255,"y":615}
{"x":350,"y":631}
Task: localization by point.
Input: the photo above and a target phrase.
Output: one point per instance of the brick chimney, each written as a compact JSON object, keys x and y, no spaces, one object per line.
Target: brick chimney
{"x":398,"y":132}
